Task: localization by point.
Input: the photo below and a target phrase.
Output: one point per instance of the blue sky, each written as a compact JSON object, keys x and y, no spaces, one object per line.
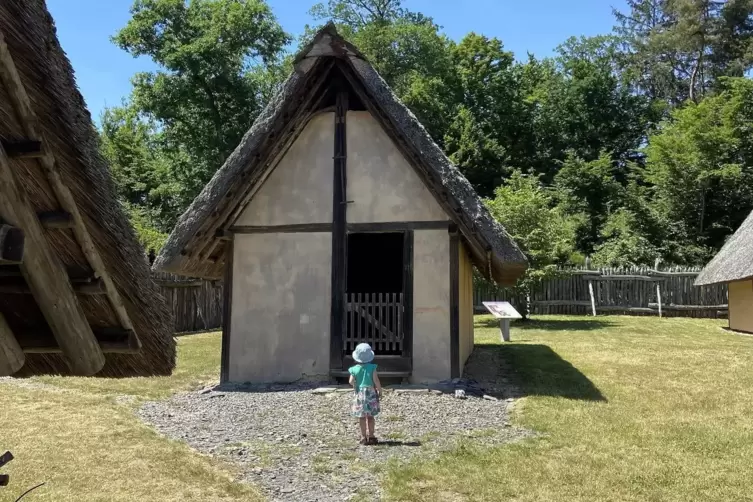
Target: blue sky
{"x":103,"y":71}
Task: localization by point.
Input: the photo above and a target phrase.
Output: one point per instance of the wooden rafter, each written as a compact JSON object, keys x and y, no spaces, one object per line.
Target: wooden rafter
{"x":56,"y":219}
{"x":27,"y":149}
{"x":48,"y":279}
{"x":10,"y":77}
{"x":11,"y":356}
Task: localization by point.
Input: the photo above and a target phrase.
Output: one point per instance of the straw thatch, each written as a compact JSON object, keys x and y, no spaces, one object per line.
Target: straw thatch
{"x":196,"y":245}
{"x":734,"y":262}
{"x":131,"y":305}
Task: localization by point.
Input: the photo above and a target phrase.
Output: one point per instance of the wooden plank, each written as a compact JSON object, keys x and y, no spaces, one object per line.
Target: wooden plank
{"x":398,"y":226}
{"x":23,"y":149}
{"x":227,"y":304}
{"x":281,"y":229}
{"x":339,"y":232}
{"x":689,"y":307}
{"x":95,"y":287}
{"x":625,"y":308}
{"x":454,"y":302}
{"x":11,"y":355}
{"x":658,"y":289}
{"x":11,"y":245}
{"x":407,"y":297}
{"x":567,"y":303}
{"x":22,"y":105}
{"x":48,"y":279}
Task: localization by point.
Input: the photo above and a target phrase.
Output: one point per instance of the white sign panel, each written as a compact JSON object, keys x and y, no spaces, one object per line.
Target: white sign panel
{"x":502,"y":310}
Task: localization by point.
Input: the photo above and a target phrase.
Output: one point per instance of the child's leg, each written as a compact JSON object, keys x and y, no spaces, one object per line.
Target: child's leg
{"x":370,"y":423}
{"x":362,"y":424}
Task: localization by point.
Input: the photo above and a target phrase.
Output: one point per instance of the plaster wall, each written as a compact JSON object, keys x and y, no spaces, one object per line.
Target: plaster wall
{"x":299,"y":188}
{"x":741,"y":306}
{"x":381,"y":184}
{"x":280,"y":314}
{"x":431,"y":306}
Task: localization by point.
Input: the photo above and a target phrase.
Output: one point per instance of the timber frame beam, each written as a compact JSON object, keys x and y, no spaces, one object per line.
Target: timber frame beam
{"x":48,"y":279}
{"x":10,"y":77}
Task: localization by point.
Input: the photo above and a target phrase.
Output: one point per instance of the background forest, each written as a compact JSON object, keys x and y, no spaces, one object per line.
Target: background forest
{"x":626,"y":147}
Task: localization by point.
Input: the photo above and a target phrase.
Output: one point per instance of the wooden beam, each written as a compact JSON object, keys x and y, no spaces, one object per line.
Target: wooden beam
{"x":11,"y":245}
{"x":24,"y":149}
{"x":56,"y":219}
{"x":48,"y":279}
{"x":10,"y":77}
{"x":95,"y":287}
{"x":76,"y":274}
{"x":11,"y":356}
{"x":111,"y":341}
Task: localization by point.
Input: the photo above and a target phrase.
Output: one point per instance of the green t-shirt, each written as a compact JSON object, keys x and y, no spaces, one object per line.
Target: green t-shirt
{"x":363,"y":374}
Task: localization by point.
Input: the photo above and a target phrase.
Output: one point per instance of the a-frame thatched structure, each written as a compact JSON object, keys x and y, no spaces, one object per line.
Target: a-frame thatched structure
{"x":733,"y":264}
{"x":338,"y":220}
{"x":76,"y":294}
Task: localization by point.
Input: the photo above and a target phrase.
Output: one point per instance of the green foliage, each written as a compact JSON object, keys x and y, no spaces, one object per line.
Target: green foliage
{"x":149,"y":237}
{"x":217,"y":68}
{"x":526,"y":209}
{"x":700,"y":164}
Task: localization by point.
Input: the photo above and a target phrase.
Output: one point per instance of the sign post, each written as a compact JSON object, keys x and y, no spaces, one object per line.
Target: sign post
{"x":504,"y":312}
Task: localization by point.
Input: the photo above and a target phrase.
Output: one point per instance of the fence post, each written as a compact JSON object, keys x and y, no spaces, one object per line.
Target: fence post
{"x":591,"y":288}
{"x":658,"y":286}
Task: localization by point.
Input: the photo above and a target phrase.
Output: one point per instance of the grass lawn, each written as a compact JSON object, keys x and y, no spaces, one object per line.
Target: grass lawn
{"x":81,"y":436}
{"x":629,"y":409}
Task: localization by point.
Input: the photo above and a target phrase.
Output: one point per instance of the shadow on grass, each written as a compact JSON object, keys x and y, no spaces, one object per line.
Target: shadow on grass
{"x":538,"y":371}
{"x":574,"y":324}
{"x":392,"y":442}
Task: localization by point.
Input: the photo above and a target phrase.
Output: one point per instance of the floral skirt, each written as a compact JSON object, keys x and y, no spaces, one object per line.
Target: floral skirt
{"x":365,"y":403}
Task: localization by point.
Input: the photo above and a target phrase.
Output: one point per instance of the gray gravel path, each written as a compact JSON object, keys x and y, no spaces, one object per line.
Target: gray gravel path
{"x":302,"y":446}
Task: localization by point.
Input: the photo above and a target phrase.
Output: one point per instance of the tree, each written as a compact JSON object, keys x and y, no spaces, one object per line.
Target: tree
{"x":678,"y":49}
{"x":589,"y":191}
{"x":526,"y":209}
{"x":213,"y":79}
{"x":700,"y":164}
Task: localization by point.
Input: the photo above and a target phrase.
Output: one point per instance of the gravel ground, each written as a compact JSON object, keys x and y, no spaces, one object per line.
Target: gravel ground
{"x":302,"y":446}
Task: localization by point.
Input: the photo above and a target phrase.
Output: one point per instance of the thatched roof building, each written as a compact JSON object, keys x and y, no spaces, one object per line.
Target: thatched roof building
{"x":76,"y":294}
{"x":337,"y":220}
{"x":197,"y":245}
{"x":733,"y":264}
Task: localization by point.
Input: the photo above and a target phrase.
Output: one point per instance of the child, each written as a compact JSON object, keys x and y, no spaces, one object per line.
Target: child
{"x":368,"y":389}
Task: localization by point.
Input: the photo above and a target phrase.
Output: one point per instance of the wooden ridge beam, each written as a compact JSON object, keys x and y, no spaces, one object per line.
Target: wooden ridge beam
{"x":47,"y":278}
{"x":11,"y":79}
{"x":56,"y":219}
{"x":11,"y":244}
{"x":23,"y":149}
{"x":11,"y":355}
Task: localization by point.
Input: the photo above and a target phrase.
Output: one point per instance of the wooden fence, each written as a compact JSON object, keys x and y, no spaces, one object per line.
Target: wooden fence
{"x":622,"y":291}
{"x":197,"y":304}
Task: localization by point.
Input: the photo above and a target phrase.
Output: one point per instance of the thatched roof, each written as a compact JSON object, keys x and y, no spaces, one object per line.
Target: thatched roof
{"x":196,"y":245}
{"x":79,"y":297}
{"x":734,"y":262}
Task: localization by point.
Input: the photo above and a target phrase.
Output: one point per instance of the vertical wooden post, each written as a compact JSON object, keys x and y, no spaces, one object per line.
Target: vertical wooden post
{"x":658,"y":286}
{"x":339,"y":234}
{"x":455,"y":369}
{"x":504,"y":329}
{"x":591,"y":288}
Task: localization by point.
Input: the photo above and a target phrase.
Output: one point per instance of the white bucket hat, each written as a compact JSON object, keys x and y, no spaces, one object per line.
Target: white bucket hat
{"x":363,"y":353}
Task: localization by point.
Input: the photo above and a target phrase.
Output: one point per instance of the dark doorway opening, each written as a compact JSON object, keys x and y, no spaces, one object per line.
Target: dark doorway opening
{"x":374,"y":299}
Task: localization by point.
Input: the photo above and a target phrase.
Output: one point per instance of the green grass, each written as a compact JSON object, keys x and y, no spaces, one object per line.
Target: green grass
{"x":72,"y":434}
{"x":628,"y":409}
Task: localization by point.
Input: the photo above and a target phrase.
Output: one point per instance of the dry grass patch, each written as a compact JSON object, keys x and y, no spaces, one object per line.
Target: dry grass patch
{"x":71,"y":433}
{"x":630,"y":409}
